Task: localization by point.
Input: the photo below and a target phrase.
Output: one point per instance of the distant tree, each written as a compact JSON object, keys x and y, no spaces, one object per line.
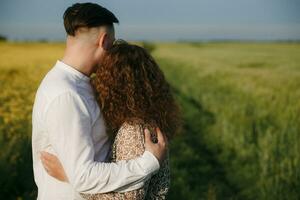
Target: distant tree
{"x":43,"y":40}
{"x":3,"y":38}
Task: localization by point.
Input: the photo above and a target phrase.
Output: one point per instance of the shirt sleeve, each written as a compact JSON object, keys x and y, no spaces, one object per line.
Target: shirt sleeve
{"x":69,"y":126}
{"x":128,"y":144}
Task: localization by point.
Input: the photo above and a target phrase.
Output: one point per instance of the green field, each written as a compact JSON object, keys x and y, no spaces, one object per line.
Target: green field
{"x":241,"y":111}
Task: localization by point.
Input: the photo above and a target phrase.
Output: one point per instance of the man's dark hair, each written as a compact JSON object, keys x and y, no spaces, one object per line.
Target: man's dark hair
{"x":87,"y":15}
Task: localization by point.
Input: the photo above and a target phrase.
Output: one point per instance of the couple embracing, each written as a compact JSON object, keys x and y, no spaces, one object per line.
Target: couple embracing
{"x":102,"y":116}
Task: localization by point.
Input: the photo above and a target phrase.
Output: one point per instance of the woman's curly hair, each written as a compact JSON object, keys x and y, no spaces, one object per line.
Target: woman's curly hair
{"x":130,"y":85}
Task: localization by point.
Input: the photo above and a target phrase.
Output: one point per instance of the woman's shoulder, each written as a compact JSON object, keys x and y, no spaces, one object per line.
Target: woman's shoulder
{"x":134,"y":123}
{"x":136,"y":126}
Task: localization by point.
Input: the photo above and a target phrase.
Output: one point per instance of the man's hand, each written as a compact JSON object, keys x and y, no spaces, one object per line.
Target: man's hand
{"x":53,"y":166}
{"x":158,"y":149}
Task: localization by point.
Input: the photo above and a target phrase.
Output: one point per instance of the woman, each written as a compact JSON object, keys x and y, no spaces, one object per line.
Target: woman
{"x":133,"y":94}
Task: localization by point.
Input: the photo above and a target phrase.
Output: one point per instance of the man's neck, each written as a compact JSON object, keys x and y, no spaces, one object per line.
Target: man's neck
{"x":79,"y":66}
{"x":79,"y":58}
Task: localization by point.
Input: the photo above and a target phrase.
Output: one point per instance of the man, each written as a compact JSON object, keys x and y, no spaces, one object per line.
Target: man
{"x":67,"y":121}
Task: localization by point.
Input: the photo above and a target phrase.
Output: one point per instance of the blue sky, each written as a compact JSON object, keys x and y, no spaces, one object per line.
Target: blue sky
{"x":161,"y":19}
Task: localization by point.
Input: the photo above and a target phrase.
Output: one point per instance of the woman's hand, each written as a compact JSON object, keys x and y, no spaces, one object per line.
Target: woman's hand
{"x":53,"y":166}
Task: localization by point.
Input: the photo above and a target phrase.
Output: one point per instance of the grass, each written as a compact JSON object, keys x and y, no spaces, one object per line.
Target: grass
{"x":251,"y":92}
{"x":241,"y":112}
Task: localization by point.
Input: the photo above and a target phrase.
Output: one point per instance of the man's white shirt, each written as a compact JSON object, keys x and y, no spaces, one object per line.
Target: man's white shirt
{"x":67,"y":122}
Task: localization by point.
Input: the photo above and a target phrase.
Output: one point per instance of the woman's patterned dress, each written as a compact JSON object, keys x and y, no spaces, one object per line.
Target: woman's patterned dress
{"x":129,"y":144}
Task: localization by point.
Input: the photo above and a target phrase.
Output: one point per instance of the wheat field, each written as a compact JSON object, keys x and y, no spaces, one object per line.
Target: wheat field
{"x":241,"y":114}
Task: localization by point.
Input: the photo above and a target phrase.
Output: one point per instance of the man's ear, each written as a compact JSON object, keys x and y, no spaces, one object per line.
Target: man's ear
{"x":104,"y":41}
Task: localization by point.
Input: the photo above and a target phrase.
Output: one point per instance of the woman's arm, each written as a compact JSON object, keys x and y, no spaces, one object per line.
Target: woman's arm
{"x":53,"y":166}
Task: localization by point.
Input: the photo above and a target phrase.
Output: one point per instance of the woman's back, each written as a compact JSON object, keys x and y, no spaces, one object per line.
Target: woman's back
{"x":129,"y":144}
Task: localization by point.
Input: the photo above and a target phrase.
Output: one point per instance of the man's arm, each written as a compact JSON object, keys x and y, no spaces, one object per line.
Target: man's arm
{"x":69,"y":128}
{"x":128,"y":144}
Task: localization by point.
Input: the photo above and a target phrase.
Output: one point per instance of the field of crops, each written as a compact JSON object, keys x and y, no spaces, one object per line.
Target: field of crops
{"x":241,"y":111}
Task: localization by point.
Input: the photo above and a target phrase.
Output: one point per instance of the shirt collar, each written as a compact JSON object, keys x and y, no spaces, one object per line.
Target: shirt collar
{"x":73,"y":71}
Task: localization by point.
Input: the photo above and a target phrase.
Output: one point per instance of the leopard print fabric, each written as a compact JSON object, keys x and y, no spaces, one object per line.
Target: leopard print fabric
{"x":129,"y":144}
